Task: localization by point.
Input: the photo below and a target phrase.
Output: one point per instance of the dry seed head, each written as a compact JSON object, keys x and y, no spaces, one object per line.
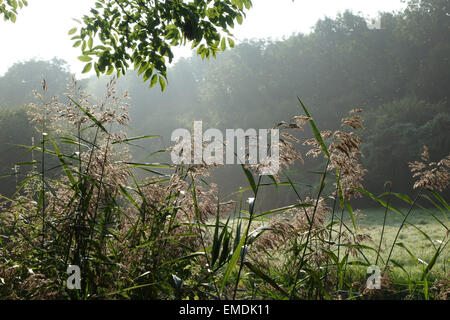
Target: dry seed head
{"x":432,"y":175}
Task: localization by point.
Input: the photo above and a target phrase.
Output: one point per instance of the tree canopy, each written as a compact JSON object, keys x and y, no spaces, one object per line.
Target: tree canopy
{"x":119,"y":34}
{"x":18,"y":83}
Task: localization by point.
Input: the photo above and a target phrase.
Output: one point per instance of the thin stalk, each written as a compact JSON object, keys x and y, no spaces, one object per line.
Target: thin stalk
{"x":43,"y":185}
{"x":401,"y":227}
{"x":384,"y":224}
{"x":202,"y":240}
{"x":252,"y":210}
{"x":322,"y":186}
{"x":339,"y":246}
{"x":331,"y":230}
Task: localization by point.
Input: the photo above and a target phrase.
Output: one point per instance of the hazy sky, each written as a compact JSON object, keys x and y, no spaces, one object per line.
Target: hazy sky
{"x":41,"y":28}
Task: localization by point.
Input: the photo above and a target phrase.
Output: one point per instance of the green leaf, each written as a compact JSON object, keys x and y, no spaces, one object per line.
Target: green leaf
{"x":110,"y":70}
{"x":162,"y":83}
{"x":98,"y":123}
{"x":442,"y":200}
{"x":63,"y":163}
{"x":12,"y":3}
{"x":216,"y":243}
{"x":352,"y":216}
{"x":84,"y":58}
{"x":381,"y":202}
{"x":97,"y":70}
{"x":148,"y":73}
{"x":275,"y":182}
{"x":136,"y":138}
{"x":250,"y":179}
{"x":153,"y":80}
{"x":432,"y":262}
{"x":72,"y":31}
{"x":144,"y":67}
{"x":403,"y":197}
{"x":87,"y":68}
{"x":299,"y":205}
{"x":316,"y":131}
{"x":233,"y":261}
{"x":223,"y":44}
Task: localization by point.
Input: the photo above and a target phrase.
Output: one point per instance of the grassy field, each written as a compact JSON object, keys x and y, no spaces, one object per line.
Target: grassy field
{"x":417,"y":242}
{"x":413,"y":239}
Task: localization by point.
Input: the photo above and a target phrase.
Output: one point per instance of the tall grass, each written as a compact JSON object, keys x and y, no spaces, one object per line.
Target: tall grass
{"x":169,"y":236}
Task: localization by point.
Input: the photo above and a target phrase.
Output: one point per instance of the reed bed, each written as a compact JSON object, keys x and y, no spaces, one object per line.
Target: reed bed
{"x":169,"y":236}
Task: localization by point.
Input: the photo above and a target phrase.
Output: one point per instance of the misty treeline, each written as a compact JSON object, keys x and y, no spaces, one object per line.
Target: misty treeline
{"x":399,"y":75}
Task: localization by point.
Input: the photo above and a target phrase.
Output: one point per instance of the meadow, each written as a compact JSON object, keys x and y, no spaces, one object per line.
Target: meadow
{"x":413,"y":239}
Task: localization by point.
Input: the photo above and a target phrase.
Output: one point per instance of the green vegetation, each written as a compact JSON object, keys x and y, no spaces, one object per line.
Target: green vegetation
{"x":412,"y":238}
{"x":140,"y":34}
{"x":9,"y":9}
{"x":157,"y":238}
{"x":94,"y":187}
